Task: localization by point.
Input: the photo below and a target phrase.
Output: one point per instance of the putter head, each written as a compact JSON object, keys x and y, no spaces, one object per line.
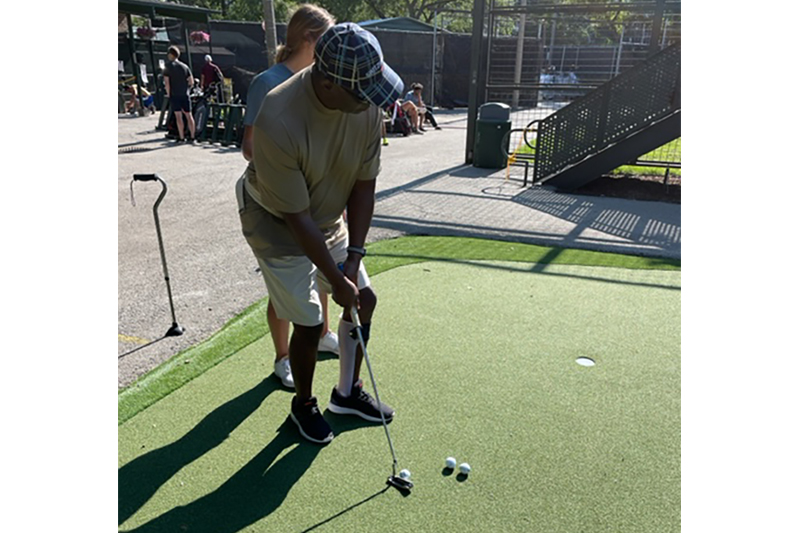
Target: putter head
{"x":397,"y":482}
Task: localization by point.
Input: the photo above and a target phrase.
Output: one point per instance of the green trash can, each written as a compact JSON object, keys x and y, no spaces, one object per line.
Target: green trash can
{"x":493,"y":122}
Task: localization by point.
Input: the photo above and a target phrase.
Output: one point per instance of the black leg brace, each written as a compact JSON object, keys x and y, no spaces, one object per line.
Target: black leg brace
{"x":365,"y":328}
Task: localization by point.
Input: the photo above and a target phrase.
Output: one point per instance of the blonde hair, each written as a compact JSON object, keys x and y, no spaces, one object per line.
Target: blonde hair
{"x":308,"y":22}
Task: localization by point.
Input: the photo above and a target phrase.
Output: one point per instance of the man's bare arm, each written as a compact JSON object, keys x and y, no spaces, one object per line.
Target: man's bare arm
{"x":246,"y":143}
{"x":360,"y":208}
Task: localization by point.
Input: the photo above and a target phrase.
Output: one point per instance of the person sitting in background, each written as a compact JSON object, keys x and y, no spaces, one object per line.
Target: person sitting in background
{"x":423,"y":112}
{"x":410,"y":109}
{"x":132,"y":106}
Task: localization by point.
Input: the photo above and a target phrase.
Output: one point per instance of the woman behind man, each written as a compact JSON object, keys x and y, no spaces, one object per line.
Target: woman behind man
{"x":305,"y":27}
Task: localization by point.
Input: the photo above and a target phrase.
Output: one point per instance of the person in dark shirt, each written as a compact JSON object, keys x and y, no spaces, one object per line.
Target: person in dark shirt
{"x":179,"y":80}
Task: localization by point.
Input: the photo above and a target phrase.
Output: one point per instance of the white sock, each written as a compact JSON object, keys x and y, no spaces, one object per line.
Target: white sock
{"x":347,"y":347}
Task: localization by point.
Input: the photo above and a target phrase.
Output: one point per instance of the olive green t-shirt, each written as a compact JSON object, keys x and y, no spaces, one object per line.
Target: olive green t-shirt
{"x":307,"y":156}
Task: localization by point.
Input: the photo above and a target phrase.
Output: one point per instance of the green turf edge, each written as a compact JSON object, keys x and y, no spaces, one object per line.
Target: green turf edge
{"x":251,"y":324}
{"x":388,"y":254}
{"x":245,"y":328}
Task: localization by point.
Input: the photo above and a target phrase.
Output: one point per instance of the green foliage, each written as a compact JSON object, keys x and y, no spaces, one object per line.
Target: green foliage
{"x":346,"y":10}
{"x":139,"y":22}
{"x":245,"y":10}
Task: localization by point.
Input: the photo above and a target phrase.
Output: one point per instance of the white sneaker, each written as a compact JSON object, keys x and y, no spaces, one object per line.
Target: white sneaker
{"x":283,"y":372}
{"x":329,"y":343}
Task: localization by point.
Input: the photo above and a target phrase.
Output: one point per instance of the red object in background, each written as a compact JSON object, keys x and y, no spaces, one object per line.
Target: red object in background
{"x":199,"y":37}
{"x":145,"y":32}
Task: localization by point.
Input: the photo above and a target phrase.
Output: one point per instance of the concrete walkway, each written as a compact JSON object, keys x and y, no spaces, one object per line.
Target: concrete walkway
{"x":423,"y":189}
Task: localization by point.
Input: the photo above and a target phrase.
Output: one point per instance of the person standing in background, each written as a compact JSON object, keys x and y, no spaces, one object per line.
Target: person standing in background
{"x":179,"y":79}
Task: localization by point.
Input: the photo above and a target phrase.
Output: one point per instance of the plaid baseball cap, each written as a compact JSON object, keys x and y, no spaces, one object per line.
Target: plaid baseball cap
{"x":351,"y":57}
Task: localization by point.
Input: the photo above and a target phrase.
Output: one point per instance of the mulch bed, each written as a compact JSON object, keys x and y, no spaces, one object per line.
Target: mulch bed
{"x":650,"y":188}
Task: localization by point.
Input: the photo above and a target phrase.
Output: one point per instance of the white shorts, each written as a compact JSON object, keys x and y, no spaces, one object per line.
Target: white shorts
{"x":294,"y":282}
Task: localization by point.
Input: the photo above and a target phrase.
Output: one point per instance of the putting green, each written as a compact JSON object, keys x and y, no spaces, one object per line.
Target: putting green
{"x":478,"y":358}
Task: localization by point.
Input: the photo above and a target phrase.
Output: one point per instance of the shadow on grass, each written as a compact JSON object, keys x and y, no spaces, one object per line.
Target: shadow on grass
{"x":348,"y":509}
{"x":139,"y":479}
{"x":252,"y":493}
{"x":539,"y":267}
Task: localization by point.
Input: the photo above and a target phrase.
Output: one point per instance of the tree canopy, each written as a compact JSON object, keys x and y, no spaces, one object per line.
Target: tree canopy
{"x":346,"y":10}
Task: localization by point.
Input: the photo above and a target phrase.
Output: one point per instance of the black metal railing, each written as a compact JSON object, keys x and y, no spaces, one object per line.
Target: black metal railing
{"x":617,"y":109}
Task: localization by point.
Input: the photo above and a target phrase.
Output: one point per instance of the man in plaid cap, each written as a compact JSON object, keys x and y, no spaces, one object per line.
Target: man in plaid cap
{"x":316,"y":150}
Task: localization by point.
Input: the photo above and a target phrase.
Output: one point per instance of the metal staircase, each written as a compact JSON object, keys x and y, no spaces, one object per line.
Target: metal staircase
{"x":630,"y":115}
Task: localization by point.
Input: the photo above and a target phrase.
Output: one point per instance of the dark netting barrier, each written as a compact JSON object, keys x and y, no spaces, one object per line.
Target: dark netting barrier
{"x":452,"y":88}
{"x":410,"y":54}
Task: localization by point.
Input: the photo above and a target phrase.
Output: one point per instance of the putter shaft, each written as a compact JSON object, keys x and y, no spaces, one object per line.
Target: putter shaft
{"x":357,"y":321}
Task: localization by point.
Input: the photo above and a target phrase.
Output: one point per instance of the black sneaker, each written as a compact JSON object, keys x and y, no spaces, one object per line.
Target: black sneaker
{"x":310,"y":421}
{"x":359,"y":403}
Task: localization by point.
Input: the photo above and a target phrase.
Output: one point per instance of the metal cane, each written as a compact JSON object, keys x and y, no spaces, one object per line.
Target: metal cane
{"x":175,"y":330}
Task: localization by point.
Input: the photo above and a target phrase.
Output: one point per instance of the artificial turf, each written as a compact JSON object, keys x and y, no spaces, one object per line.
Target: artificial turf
{"x":478,"y":359}
{"x":251,"y":324}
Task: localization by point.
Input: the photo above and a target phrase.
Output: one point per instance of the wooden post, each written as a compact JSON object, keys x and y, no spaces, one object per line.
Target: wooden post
{"x":270,"y":31}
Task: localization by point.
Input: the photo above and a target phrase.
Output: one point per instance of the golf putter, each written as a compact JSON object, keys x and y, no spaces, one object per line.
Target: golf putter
{"x":404,"y":485}
{"x":175,"y":330}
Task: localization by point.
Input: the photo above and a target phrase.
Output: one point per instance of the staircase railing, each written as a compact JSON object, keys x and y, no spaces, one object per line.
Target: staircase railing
{"x":613,"y":111}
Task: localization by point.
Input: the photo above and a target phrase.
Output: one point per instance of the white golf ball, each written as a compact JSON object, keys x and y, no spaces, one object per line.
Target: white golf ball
{"x":405,"y":474}
{"x":451,"y":462}
{"x":465,"y":468}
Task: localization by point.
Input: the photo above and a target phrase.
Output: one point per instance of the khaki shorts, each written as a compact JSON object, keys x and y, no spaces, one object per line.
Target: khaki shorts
{"x":294,"y":282}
